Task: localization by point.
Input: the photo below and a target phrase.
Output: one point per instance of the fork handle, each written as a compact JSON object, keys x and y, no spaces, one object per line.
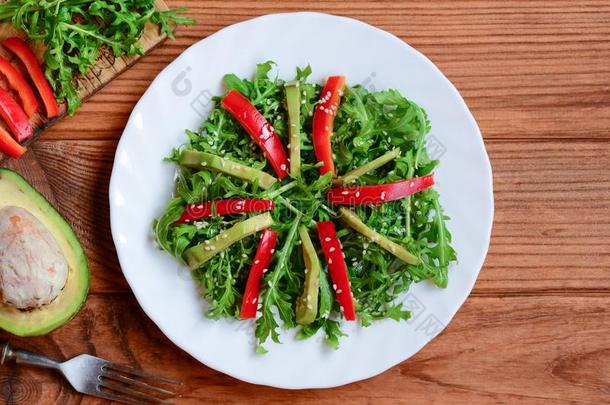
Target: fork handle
{"x":24,"y":357}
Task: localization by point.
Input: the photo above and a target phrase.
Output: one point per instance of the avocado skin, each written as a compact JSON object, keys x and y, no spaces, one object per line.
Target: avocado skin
{"x":15,"y":190}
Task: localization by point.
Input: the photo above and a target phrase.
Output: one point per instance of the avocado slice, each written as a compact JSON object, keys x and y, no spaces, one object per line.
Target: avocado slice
{"x":203,"y":160}
{"x":199,"y":254}
{"x":307,"y":304}
{"x":293,"y":104}
{"x":352,"y":220}
{"x":353,"y":175}
{"x":15,"y":191}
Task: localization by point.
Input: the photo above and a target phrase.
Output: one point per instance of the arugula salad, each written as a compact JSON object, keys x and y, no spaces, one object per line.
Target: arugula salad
{"x":303,"y":205}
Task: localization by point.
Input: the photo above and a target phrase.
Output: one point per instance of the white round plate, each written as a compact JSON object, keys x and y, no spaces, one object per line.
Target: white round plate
{"x":179,"y":98}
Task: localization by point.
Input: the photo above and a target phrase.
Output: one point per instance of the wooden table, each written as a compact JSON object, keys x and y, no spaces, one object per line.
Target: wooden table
{"x":536,"y":329}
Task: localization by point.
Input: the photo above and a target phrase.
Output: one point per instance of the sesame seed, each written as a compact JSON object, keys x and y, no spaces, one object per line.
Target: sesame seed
{"x":265,"y":270}
{"x":345,"y":192}
{"x":330,"y":261}
{"x":254,"y":300}
{"x":412,"y":184}
{"x":335,"y":287}
{"x":357,"y":194}
{"x":339,"y":291}
{"x":383,"y":195}
{"x":342,"y":309}
{"x":272,"y":251}
{"x":327,"y":239}
{"x":257,"y":261}
{"x":332,"y":249}
{"x":283,"y":166}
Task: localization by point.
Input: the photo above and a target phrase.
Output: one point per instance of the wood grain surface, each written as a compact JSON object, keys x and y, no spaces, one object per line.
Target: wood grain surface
{"x":536,"y":75}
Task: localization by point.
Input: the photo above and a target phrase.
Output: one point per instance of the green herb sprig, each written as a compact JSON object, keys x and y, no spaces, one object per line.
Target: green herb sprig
{"x":75,"y":31}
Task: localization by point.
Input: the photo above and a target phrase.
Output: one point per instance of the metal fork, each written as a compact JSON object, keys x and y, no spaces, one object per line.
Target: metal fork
{"x":94,"y":376}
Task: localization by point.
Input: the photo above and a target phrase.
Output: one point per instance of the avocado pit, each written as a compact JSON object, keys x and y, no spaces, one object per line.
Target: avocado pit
{"x":33,"y":270}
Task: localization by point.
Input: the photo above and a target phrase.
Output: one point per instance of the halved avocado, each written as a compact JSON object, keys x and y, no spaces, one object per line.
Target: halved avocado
{"x":15,"y":191}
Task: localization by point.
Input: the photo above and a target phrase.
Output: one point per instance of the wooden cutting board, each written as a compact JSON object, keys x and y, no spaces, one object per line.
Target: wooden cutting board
{"x":106,"y":68}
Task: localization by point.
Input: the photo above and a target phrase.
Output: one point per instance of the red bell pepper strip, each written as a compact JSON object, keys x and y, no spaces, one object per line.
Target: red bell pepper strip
{"x":14,"y":116}
{"x":9,"y":146}
{"x":27,"y":57}
{"x":194,"y":212}
{"x":259,"y":129}
{"x":377,"y":194}
{"x":323,"y":120}
{"x":263,"y":256}
{"x":20,"y":85}
{"x":337,"y":267}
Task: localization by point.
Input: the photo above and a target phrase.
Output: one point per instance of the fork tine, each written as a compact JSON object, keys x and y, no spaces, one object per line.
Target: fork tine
{"x":119,"y":398}
{"x":131,"y":381}
{"x":132,"y":393}
{"x":139,"y":373}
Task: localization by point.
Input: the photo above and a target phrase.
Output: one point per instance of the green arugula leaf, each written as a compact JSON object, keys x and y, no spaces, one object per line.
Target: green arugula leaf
{"x":76,"y":31}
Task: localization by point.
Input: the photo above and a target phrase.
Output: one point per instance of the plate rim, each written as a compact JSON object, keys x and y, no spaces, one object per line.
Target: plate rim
{"x":472,"y":122}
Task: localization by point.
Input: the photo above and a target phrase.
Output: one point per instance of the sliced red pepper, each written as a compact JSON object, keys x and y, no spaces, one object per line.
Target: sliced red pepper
{"x":376,"y":194}
{"x":331,"y":245}
{"x":259,"y":129}
{"x":20,"y":85}
{"x":323,"y":120}
{"x":194,"y":212}
{"x":9,"y":146}
{"x":263,"y":256}
{"x":27,"y":57}
{"x":14,"y":116}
